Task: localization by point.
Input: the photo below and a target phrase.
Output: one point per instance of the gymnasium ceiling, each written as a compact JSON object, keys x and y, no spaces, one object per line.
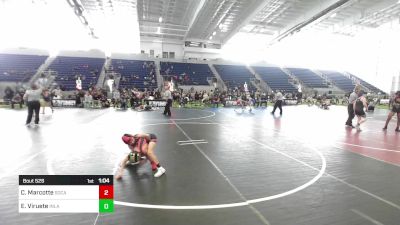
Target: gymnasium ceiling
{"x":218,"y":20}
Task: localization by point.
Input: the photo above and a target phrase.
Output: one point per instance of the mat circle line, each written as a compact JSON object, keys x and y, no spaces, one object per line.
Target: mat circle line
{"x":183,"y":119}
{"x":227,"y":205}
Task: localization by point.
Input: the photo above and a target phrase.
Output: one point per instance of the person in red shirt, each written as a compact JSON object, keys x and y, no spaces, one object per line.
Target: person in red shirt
{"x":143,"y":144}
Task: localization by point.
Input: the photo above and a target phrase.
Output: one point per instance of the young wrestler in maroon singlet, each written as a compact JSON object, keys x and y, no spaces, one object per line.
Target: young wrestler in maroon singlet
{"x":144,"y":144}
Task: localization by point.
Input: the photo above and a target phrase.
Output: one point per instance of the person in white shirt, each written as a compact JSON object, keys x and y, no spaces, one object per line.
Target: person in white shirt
{"x":32,"y":97}
{"x":42,"y":81}
{"x":57,"y":93}
{"x":206,"y":98}
{"x":168,"y":97}
{"x":88,"y":100}
{"x":278,"y":102}
{"x":116,"y":98}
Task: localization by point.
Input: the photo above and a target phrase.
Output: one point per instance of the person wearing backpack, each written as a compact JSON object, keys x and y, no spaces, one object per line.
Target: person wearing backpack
{"x":359,"y":104}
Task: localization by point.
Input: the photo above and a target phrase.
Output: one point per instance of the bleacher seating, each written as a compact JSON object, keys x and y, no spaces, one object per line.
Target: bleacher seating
{"x":69,"y":68}
{"x":367,"y":85}
{"x":339,"y":80}
{"x":135,"y":73}
{"x":308,"y":77}
{"x":235,"y":75}
{"x":187,"y":73}
{"x":275,"y":78}
{"x":19,"y":68}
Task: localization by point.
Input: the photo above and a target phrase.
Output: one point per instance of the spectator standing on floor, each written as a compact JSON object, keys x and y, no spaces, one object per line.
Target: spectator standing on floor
{"x":32,"y":97}
{"x":42,"y":81}
{"x":359,"y":104}
{"x":278,"y":102}
{"x":350,"y":108}
{"x":168,"y":98}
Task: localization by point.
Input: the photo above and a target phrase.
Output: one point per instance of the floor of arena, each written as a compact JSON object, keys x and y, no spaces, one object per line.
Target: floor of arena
{"x":223,"y":166}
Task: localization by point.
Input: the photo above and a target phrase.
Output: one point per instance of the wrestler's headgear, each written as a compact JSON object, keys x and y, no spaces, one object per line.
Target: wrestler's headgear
{"x":127,"y":138}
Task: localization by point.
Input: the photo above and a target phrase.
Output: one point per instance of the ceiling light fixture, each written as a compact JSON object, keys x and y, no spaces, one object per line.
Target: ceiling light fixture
{"x":210,"y":37}
{"x":160,"y":19}
{"x":214,"y":33}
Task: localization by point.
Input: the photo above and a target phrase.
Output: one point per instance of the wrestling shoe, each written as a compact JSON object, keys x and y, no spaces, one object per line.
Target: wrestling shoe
{"x":160,"y":171}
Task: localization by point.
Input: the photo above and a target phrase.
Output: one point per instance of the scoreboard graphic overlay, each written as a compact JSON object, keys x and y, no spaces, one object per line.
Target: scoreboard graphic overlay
{"x":66,"y":194}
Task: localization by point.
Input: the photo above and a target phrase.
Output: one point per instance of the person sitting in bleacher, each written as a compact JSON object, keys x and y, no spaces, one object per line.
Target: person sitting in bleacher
{"x":96,"y":94}
{"x":184,"y":100}
{"x":88,"y":100}
{"x":222,"y":98}
{"x":136,"y":98}
{"x":309,"y":101}
{"x":299,"y":97}
{"x":104,"y":102}
{"x":215,"y":100}
{"x":17,"y":99}
{"x":8,"y":94}
{"x":263,"y":99}
{"x":205,"y":98}
{"x":79,"y":98}
{"x":371,"y":106}
{"x":325,"y":102}
{"x":57,"y":93}
{"x":115,"y":98}
{"x":124,"y":100}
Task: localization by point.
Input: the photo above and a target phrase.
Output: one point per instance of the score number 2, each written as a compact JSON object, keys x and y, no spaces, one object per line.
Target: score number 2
{"x":106,"y":192}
